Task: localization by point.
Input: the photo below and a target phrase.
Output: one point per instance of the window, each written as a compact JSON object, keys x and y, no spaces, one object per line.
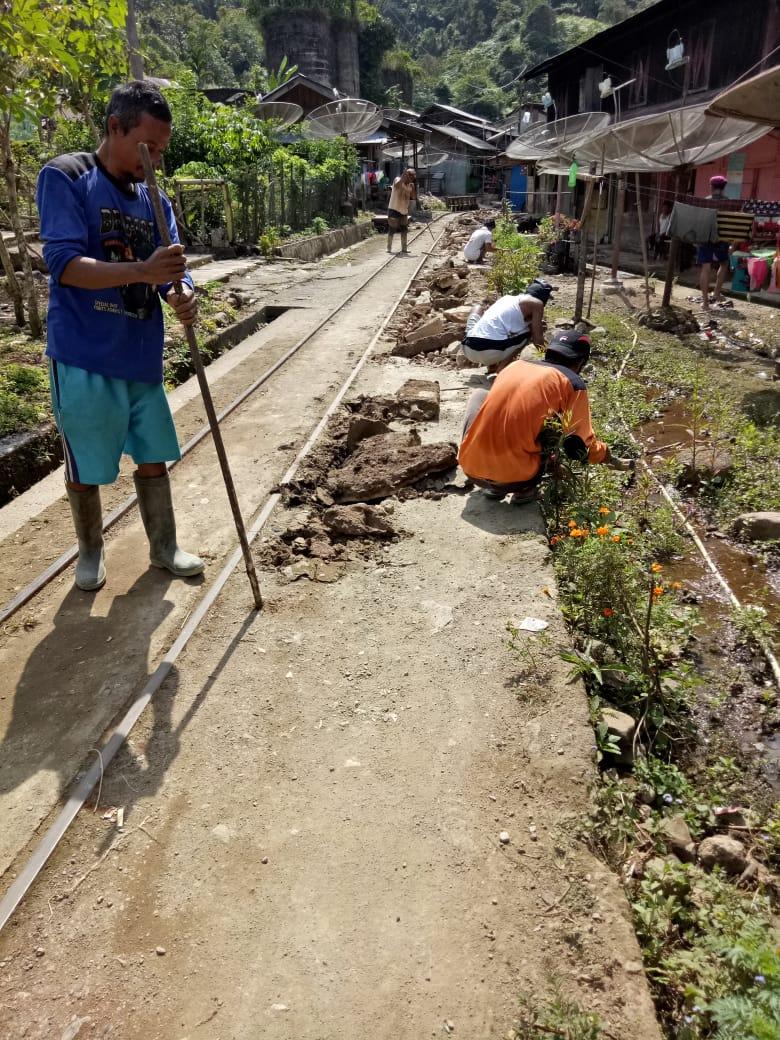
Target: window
{"x":700,"y":50}
{"x":640,"y":73}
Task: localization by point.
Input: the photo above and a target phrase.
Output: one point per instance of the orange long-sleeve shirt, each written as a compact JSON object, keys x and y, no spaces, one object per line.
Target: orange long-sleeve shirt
{"x":501,"y":444}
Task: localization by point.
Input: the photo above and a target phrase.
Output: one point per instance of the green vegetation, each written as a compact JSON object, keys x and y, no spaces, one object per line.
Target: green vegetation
{"x":558,"y":1018}
{"x":710,"y":947}
{"x":516,"y":261}
{"x":24,"y":396}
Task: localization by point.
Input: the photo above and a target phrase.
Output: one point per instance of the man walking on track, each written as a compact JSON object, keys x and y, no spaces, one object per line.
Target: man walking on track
{"x":404,"y":190}
{"x":105,"y":326}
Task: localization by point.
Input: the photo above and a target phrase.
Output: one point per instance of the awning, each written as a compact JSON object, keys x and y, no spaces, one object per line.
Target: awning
{"x":472,"y":143}
{"x":757,"y":99}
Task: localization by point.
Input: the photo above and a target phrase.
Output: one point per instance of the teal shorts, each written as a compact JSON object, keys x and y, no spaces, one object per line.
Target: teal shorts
{"x":101,"y":418}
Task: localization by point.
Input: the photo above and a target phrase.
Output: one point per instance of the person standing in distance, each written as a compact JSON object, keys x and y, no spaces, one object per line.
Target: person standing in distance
{"x":404,"y":190}
{"x":108,"y":274}
{"x":710,"y":253}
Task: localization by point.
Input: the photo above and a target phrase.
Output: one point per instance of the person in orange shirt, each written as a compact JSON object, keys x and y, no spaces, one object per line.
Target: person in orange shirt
{"x":500,"y":450}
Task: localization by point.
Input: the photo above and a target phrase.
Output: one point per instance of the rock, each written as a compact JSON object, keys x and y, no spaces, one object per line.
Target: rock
{"x":758,"y":527}
{"x":422,"y":395}
{"x":221,"y":319}
{"x":299,"y":544}
{"x":622,"y":727}
{"x":504,"y":838}
{"x":324,"y":497}
{"x":445,"y":281}
{"x":452,"y":349}
{"x":222,"y":833}
{"x":321,"y":549}
{"x":676,"y":320}
{"x":300,"y":569}
{"x":461,"y":290}
{"x":426,"y":345}
{"x":360,"y":428}
{"x":424,"y":299}
{"x":433,"y":327}
{"x":460,"y":315}
{"x":710,"y":462}
{"x":160,"y":951}
{"x":357,"y":521}
{"x":381,"y":465}
{"x":678,"y":837}
{"x":723,"y":851}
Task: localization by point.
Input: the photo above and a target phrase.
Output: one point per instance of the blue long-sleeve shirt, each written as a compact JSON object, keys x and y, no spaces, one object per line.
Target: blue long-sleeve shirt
{"x":86,"y":212}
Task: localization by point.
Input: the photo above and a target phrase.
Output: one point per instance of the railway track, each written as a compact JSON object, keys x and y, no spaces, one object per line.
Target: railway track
{"x":56,"y":830}
{"x":46,"y":576}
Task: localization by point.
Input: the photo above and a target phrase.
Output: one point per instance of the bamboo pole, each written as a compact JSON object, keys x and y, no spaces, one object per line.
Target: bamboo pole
{"x":216,"y":433}
{"x":642,"y":240}
{"x":582,"y":259}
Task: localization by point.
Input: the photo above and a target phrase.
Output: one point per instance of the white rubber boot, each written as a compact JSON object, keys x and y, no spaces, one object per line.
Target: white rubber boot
{"x":88,"y":521}
{"x":156,"y":508}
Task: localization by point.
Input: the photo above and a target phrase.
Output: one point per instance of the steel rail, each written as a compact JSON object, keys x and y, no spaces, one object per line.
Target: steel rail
{"x":78,"y":797}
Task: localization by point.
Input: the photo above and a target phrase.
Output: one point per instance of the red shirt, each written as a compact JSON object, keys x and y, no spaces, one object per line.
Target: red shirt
{"x":501,"y":444}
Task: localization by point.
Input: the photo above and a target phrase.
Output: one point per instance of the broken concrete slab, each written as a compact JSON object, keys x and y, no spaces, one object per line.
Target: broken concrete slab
{"x":357,"y":521}
{"x":460,"y":315}
{"x":361,"y":427}
{"x":381,"y":465}
{"x":420,"y":399}
{"x":427,"y":345}
{"x":433,"y":327}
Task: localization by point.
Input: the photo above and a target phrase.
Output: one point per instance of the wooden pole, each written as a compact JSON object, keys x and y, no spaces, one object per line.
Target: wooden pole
{"x":582,"y":259}
{"x":595,"y":253}
{"x":216,"y":433}
{"x":671,"y":264}
{"x":642,"y":239}
{"x":621,"y":205}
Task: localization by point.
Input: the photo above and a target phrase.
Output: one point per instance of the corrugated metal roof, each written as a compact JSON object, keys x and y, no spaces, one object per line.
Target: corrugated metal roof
{"x":460,"y":135}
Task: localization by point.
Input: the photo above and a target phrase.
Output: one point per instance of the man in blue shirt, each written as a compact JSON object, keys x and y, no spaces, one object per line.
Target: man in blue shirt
{"x":105,"y":326}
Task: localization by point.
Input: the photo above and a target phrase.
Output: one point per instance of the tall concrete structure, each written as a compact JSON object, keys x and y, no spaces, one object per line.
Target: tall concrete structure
{"x":323,"y":47}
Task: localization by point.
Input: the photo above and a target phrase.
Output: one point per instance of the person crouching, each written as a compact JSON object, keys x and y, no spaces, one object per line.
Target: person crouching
{"x":501,"y":449}
{"x":511,"y":323}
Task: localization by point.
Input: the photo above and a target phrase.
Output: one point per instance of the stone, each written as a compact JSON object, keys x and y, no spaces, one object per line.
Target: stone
{"x":422,"y":394}
{"x":722,"y":851}
{"x":622,"y":727}
{"x":381,"y":465}
{"x":678,"y":837}
{"x":433,"y":327}
{"x":504,"y":838}
{"x":461,"y":290}
{"x":758,"y":527}
{"x":160,"y":951}
{"x":321,"y":549}
{"x":424,"y":299}
{"x":426,"y":345}
{"x":460,"y":315}
{"x":710,"y":462}
{"x":357,"y":521}
{"x":452,"y":349}
{"x":221,"y":319}
{"x":360,"y":428}
{"x":445,"y":281}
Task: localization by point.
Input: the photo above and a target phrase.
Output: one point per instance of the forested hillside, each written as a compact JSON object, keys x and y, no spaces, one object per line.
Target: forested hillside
{"x":465,"y":52}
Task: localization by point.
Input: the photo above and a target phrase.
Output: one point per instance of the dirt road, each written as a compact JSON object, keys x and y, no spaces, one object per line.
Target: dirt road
{"x":312,"y":812}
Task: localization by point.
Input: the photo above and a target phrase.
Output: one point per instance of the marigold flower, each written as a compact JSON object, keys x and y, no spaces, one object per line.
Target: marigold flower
{"x":604,"y":510}
{"x":601,"y":531}
{"x":615,"y":537}
{"x":676,"y":584}
{"x":658,"y":591}
{"x":575,"y":533}
{"x":656,"y":568}
{"x":572,"y":523}
{"x":555,"y":539}
{"x":608,"y":612}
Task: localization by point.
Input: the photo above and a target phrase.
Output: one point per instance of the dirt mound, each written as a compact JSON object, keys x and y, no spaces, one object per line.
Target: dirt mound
{"x":381,"y":465}
{"x":675,"y":320}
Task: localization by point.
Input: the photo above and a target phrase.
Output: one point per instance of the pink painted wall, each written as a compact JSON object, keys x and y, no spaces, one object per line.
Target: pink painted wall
{"x":761,"y":174}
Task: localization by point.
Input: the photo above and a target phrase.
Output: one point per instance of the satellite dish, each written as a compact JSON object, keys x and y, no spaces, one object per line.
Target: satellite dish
{"x":352,"y":118}
{"x":281,"y":113}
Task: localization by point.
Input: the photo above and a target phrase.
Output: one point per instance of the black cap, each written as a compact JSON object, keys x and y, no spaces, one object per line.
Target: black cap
{"x":569,"y":345}
{"x":540,"y":290}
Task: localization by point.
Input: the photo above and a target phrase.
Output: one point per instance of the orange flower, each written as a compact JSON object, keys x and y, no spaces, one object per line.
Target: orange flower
{"x":601,"y":531}
{"x":676,"y":584}
{"x":604,"y":510}
{"x":615,"y":537}
{"x":575,"y":533}
{"x":656,"y":568}
{"x":572,"y":523}
{"x":555,"y":539}
{"x":658,"y":591}
{"x":608,"y":612}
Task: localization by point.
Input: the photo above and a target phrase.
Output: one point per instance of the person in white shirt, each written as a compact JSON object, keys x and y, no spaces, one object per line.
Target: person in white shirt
{"x":496,"y":337}
{"x":481,"y":242}
{"x":404,"y":190}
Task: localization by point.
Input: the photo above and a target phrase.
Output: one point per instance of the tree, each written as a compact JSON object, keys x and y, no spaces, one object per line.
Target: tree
{"x":135,"y":58}
{"x":612,"y":11}
{"x":51,"y":47}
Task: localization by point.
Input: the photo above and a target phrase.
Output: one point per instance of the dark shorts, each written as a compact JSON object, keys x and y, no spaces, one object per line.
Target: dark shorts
{"x":712,"y":253}
{"x":397,"y":221}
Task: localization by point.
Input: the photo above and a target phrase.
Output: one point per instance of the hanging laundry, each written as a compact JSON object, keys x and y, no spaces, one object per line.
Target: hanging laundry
{"x":758,"y":269}
{"x":774,"y":278}
{"x":694,"y":223}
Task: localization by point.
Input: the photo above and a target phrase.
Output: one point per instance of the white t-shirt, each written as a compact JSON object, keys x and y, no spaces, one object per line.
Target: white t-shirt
{"x":482,"y":236}
{"x":502,"y":320}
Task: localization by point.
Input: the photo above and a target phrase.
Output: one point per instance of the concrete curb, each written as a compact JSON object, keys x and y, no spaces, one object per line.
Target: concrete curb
{"x":329,"y":242}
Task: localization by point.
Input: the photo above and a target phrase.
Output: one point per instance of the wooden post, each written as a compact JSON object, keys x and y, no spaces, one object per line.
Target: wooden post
{"x":642,"y":240}
{"x":558,"y":197}
{"x":272,"y":198}
{"x":621,"y":205}
{"x":582,"y":259}
{"x":281,"y":193}
{"x":674,"y":252}
{"x":228,"y":211}
{"x":595,"y":252}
